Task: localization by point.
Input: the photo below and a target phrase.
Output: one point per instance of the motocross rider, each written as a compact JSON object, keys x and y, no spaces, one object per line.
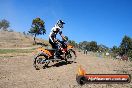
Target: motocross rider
{"x":54,"y":31}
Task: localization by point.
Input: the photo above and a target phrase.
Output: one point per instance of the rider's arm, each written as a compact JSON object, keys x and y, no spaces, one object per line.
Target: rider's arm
{"x":62,"y":35}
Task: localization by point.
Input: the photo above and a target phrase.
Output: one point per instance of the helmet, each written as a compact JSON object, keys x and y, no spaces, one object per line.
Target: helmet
{"x":60,"y":23}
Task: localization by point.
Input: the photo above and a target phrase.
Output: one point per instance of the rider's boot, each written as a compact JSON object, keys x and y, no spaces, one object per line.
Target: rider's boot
{"x":56,"y":54}
{"x":63,"y":53}
{"x":62,"y":56}
{"x":55,"y":57}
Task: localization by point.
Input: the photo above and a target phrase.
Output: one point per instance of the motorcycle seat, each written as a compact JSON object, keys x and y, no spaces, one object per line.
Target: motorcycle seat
{"x":51,"y":49}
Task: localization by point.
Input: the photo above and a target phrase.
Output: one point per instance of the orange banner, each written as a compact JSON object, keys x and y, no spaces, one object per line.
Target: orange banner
{"x":103,"y":78}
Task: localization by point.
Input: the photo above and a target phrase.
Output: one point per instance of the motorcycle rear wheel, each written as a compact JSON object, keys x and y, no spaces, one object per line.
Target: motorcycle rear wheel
{"x":40,"y":62}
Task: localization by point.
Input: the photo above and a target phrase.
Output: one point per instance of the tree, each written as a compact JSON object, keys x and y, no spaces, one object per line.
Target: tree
{"x":4,"y":24}
{"x":24,"y":33}
{"x":80,"y":45}
{"x":88,"y":47}
{"x":103,"y":48}
{"x":126,"y":45}
{"x":83,"y":45}
{"x":93,"y":46}
{"x":0,"y":25}
{"x":73,"y":43}
{"x":37,"y":28}
{"x":115,"y":51}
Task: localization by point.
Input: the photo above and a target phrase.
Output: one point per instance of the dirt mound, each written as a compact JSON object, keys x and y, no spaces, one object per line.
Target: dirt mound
{"x":16,"y":39}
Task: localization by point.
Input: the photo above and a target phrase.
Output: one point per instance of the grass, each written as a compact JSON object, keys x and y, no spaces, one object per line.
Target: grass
{"x":7,"y":51}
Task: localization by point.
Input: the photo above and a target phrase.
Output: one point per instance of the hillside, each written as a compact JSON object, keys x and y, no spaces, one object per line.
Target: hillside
{"x":17,"y":71}
{"x":17,"y":40}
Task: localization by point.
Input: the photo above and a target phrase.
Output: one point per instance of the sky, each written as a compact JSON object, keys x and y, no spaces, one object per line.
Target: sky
{"x":103,"y":21}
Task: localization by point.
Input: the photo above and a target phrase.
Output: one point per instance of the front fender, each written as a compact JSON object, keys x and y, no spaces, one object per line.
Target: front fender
{"x":70,"y":47}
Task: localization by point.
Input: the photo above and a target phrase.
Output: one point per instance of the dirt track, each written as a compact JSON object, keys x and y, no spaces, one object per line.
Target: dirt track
{"x":18,"y":72}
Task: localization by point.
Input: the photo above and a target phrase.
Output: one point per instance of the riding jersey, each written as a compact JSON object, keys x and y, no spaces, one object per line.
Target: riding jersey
{"x":53,"y":32}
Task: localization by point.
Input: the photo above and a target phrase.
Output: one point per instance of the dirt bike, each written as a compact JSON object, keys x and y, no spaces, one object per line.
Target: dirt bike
{"x":45,"y":56}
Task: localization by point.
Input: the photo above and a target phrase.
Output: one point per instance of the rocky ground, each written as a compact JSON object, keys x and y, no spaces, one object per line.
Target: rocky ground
{"x":18,"y":72}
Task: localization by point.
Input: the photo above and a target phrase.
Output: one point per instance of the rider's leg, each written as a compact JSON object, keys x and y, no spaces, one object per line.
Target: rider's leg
{"x":62,"y":46}
{"x":61,"y":50}
{"x":54,"y":46}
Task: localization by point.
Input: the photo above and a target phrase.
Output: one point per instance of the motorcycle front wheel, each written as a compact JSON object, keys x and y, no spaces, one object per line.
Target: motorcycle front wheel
{"x":70,"y":56}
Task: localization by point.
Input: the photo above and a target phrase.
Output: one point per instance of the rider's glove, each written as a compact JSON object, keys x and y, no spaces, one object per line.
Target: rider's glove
{"x":60,"y":32}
